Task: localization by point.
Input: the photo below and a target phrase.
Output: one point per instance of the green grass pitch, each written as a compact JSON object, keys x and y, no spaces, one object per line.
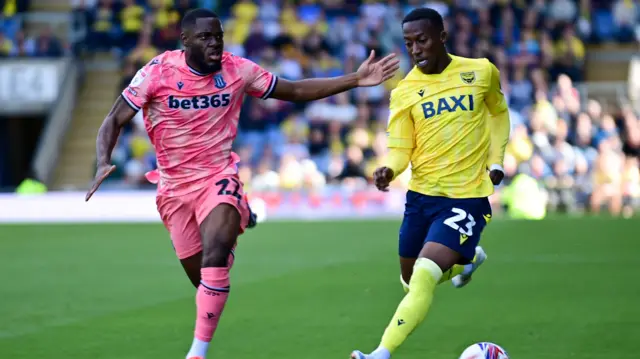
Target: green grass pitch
{"x":555,"y":289}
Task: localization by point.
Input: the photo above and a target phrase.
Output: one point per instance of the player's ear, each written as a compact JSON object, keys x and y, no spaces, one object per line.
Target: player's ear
{"x":444,"y":36}
{"x":184,"y":38}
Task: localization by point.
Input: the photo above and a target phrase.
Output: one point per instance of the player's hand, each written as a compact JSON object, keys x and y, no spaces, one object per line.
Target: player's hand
{"x":496,"y":177}
{"x":374,"y":73}
{"x":102,"y":173}
{"x":382,"y":177}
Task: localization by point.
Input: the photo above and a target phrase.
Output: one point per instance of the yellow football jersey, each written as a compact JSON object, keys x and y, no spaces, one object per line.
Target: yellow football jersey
{"x":444,"y":119}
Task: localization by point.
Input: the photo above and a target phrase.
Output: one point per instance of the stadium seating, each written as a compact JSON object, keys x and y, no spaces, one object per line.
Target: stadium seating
{"x":582,"y":153}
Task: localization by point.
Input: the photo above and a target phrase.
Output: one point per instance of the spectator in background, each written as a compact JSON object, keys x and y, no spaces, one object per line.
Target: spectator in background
{"x":182,"y":6}
{"x":24,"y":46}
{"x":560,"y":147}
{"x":520,"y":90}
{"x":14,"y":7}
{"x":563,"y":10}
{"x":10,"y":10}
{"x":144,"y":50}
{"x":166,"y":24}
{"x":256,"y":41}
{"x":6,"y":45}
{"x":353,"y":168}
{"x":608,"y":182}
{"x":102,"y":26}
{"x":132,"y":19}
{"x":625,"y":17}
{"x":244,"y":12}
{"x":47,"y":45}
{"x":570,"y":54}
{"x":630,"y":124}
{"x":630,"y":186}
{"x":81,"y":12}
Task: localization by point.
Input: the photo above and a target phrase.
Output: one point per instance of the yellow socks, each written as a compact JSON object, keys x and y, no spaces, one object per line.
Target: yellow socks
{"x":405,"y":285}
{"x":446,"y":276}
{"x":452,"y":272}
{"x":414,"y":306}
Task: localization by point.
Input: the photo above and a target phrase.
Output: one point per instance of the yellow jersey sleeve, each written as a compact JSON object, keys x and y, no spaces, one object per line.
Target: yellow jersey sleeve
{"x":398,"y":160}
{"x":495,"y":101}
{"x":499,"y":123}
{"x":400,"y":130}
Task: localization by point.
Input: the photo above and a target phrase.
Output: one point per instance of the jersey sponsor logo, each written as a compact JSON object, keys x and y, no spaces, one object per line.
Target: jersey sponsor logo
{"x":447,"y":104}
{"x":132,"y":91}
{"x":468,"y":77}
{"x":219,"y":81}
{"x":199,"y":102}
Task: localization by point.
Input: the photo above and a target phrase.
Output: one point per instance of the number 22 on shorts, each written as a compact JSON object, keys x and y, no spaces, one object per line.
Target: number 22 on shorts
{"x":461,"y":214}
{"x":224,"y":191}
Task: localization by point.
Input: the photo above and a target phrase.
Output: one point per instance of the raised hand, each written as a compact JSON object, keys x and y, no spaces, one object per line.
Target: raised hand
{"x":102,"y":173}
{"x":374,"y":73}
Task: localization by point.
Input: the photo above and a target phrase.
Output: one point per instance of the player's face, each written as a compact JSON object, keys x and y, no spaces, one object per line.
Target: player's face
{"x":205,"y":43}
{"x":424,"y":44}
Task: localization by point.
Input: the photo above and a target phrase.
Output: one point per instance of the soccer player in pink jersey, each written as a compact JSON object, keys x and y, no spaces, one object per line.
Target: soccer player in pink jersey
{"x":191,"y":101}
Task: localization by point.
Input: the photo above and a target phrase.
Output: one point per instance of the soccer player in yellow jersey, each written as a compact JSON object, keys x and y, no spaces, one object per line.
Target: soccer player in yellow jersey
{"x":449,"y":119}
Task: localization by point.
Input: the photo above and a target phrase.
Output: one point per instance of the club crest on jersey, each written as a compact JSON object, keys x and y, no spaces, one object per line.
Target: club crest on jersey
{"x":219,"y":80}
{"x":468,"y":77}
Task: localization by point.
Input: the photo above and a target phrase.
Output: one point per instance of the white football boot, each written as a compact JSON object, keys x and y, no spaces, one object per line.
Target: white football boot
{"x":464,"y":278}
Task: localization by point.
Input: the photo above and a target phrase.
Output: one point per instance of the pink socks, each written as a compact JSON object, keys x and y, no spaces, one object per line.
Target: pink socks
{"x":210,"y":300}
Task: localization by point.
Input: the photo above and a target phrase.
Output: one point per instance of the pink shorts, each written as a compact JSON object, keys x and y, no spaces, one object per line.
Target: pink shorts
{"x":182,"y":215}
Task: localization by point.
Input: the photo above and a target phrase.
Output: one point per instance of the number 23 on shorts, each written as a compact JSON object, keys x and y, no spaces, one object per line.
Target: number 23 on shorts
{"x":457,"y":223}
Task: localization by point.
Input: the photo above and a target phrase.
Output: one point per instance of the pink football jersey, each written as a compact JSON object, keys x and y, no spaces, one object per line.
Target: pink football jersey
{"x":192,"y":118}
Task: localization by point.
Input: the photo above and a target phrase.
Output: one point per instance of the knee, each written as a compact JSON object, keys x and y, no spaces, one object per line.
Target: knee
{"x":217,"y":252}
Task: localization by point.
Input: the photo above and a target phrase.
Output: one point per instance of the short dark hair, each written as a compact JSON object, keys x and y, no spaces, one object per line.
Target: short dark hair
{"x":428,"y":14}
{"x":189,"y":19}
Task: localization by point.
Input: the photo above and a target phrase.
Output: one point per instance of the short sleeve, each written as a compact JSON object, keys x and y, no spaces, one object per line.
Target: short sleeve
{"x":259,"y":82}
{"x":495,"y":101}
{"x":140,"y":90}
{"x":400,"y":126}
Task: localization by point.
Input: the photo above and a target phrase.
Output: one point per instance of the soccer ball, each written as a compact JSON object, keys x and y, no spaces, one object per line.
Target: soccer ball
{"x":484,"y":350}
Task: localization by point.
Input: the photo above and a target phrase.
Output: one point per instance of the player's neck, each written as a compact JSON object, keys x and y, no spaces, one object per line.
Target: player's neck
{"x":442,"y":65}
{"x":199,"y":69}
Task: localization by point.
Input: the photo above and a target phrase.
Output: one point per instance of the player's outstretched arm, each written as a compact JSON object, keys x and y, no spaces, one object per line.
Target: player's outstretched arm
{"x":121,"y":113}
{"x":499,"y":126}
{"x":400,"y":141}
{"x":370,"y":73}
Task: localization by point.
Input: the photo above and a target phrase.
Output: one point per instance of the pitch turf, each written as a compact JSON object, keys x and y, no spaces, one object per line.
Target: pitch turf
{"x":552,"y":289}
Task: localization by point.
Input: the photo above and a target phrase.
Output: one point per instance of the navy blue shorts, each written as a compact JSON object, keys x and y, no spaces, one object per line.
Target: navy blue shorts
{"x":454,"y":222}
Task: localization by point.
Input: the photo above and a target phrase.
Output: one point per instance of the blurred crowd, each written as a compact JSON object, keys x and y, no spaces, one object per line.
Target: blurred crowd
{"x":582,"y":154}
{"x":15,"y":41}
